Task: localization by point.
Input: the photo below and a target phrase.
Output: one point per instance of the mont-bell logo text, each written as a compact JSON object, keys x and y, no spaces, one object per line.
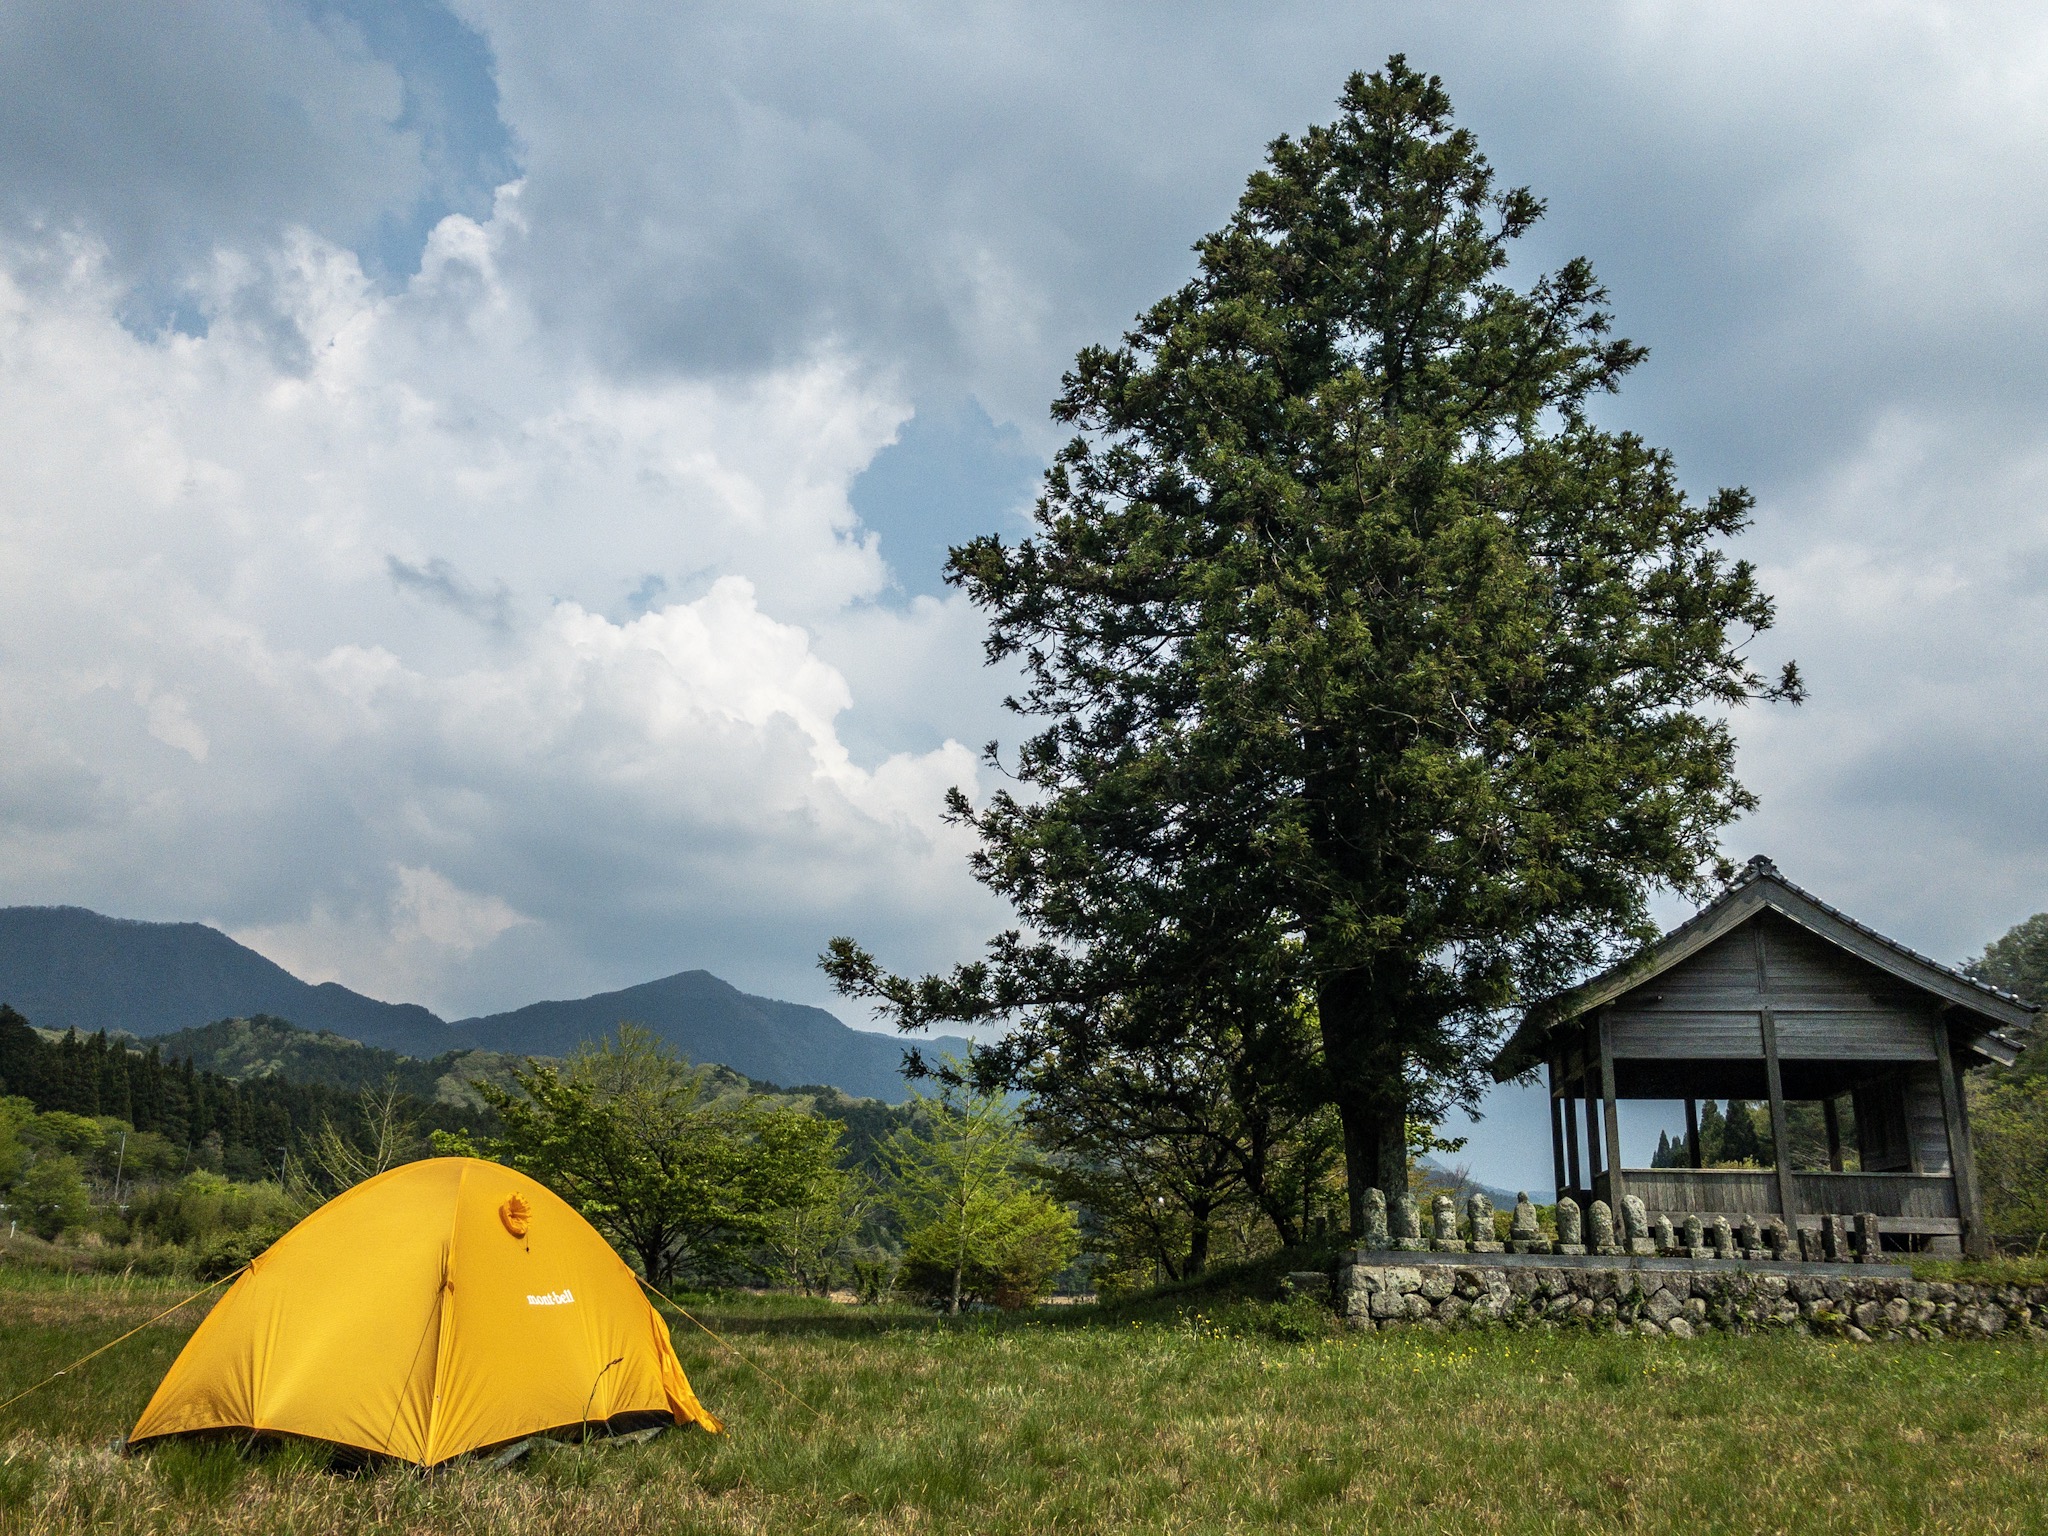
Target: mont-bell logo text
{"x":552,"y":1299}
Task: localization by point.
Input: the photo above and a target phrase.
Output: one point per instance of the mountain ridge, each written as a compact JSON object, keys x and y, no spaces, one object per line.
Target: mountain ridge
{"x":70,"y":967}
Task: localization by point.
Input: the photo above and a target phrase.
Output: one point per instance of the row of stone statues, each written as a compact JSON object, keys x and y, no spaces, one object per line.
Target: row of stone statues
{"x":1398,"y":1226}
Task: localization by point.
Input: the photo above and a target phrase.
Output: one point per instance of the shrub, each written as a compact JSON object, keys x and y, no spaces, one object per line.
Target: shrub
{"x":202,"y":1207}
{"x":1017,"y":1247}
{"x":51,"y":1197}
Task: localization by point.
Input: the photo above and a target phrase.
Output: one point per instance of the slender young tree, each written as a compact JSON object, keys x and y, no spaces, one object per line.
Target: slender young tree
{"x":1365,"y":660}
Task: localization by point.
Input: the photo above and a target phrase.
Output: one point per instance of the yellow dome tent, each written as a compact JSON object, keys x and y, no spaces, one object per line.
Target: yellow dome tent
{"x":437,"y":1308}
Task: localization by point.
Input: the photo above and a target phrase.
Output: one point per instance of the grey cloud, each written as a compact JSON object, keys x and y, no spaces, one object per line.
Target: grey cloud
{"x":438,"y":581}
{"x":166,"y":135}
{"x":1827,"y":224}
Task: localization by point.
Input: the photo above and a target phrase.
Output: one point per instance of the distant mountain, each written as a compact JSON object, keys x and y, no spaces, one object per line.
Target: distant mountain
{"x":711,"y":1020}
{"x":65,"y":967}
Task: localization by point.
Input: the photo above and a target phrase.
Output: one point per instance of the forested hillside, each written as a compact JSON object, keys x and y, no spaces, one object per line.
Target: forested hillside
{"x":241,"y":1128}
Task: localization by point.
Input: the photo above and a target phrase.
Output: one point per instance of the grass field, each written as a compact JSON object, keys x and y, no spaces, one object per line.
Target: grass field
{"x":1083,"y":1422}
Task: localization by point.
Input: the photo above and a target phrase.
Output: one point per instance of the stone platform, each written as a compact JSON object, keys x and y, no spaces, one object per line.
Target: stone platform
{"x":1672,"y":1297}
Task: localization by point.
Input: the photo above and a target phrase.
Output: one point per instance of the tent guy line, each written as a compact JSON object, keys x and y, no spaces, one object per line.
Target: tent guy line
{"x":82,"y":1359}
{"x":734,"y":1351}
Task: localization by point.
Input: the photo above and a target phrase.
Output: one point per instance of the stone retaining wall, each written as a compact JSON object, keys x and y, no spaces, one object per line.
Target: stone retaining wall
{"x":1663,"y":1297}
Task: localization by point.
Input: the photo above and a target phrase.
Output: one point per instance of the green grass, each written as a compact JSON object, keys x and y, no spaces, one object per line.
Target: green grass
{"x":2021,"y":1269}
{"x":1190,"y":1421}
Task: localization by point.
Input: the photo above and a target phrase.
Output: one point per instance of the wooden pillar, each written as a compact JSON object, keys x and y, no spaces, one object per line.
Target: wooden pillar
{"x":1962,"y":1164}
{"x":1571,"y":1140}
{"x":1692,"y":1133}
{"x":1781,"y":1133}
{"x":1594,"y":1159}
{"x":1557,"y":1120}
{"x":1612,"y":1116}
{"x":1831,"y":1116}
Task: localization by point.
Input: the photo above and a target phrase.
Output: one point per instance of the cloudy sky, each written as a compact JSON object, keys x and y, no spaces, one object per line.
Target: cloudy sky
{"x":473,"y":478}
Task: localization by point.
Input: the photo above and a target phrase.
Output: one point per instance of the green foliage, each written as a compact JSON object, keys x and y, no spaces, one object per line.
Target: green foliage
{"x":2018,"y":960}
{"x":627,"y":1133}
{"x":205,"y":1209}
{"x":51,"y":1197}
{"x":976,"y":1225}
{"x":1368,"y":666}
{"x":260,"y":1046}
{"x":1741,"y":1137}
{"x":244,"y":1128}
{"x":2009,"y":1132}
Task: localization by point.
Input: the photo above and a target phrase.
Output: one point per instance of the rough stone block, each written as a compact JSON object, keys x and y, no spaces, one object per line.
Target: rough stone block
{"x":1437,"y":1282}
{"x":1679,"y":1328}
{"x":1662,"y":1306}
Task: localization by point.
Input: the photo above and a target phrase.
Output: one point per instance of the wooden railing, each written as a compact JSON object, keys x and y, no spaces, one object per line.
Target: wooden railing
{"x":1754,"y":1191}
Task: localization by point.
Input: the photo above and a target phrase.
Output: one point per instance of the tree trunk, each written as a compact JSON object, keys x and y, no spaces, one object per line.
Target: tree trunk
{"x":1368,"y":1083}
{"x":1198,"y":1235}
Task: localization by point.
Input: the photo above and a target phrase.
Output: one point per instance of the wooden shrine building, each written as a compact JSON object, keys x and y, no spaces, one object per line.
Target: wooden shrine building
{"x":1772,"y":996}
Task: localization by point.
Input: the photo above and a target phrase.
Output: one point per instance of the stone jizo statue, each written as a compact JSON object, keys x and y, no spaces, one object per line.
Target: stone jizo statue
{"x":1601,"y":1220}
{"x":1524,"y":1236}
{"x":1444,"y":1223}
{"x":1407,"y":1223}
{"x":1375,"y":1234}
{"x":1635,"y":1227}
{"x":1479,"y":1219}
{"x":1569,"y":1237}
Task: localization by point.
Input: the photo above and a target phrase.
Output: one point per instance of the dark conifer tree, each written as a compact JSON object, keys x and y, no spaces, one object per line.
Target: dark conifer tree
{"x":1361,"y":652}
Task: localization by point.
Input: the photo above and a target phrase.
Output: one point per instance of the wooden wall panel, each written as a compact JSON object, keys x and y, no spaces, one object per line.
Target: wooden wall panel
{"x":1924,"y":1122}
{"x":1673,"y":1036}
{"x":1867,"y":1034}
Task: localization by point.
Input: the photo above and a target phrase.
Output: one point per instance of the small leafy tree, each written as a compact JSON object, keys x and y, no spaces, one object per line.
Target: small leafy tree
{"x":52,"y":1196}
{"x":975,"y":1223}
{"x":627,"y":1132}
{"x":808,"y":1239}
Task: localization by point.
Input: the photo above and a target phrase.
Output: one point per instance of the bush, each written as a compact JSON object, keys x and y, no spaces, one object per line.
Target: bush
{"x":204,"y":1207}
{"x":1018,"y":1248}
{"x":51,"y":1197}
{"x":225,"y":1252}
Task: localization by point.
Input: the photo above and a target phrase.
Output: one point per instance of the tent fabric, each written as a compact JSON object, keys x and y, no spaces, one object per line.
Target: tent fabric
{"x":442,"y":1306}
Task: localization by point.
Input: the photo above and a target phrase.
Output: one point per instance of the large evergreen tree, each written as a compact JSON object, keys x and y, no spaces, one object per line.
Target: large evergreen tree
{"x":1370,"y":668}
